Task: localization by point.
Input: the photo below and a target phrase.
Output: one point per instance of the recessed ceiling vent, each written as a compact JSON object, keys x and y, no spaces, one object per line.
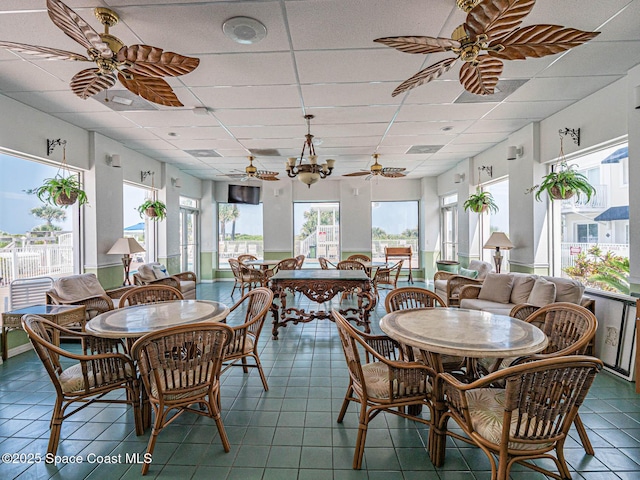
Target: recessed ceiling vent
{"x":123,"y":101}
{"x":203,"y":153}
{"x":422,"y":149}
{"x":265,"y":152}
{"x":503,"y":90}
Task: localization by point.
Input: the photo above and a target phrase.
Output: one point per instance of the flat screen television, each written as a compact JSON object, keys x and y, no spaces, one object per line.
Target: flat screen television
{"x":244,"y":194}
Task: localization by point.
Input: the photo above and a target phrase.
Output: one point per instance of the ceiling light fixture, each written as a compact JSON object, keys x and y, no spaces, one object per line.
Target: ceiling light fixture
{"x":244,"y":30}
{"x":308,"y":173}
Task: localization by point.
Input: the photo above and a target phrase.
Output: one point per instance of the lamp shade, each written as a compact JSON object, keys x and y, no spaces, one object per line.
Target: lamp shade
{"x":499,"y":240}
{"x":125,"y":246}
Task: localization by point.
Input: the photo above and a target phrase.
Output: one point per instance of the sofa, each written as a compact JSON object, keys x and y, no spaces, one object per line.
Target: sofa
{"x":154,"y":273}
{"x":447,"y":285}
{"x":500,"y":292}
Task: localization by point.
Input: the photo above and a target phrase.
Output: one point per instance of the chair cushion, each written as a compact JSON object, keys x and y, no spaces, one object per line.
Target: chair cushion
{"x":440,"y":287}
{"x":543,"y":293}
{"x":486,"y":408}
{"x":72,"y":381}
{"x":522,"y":286}
{"x":483,"y":268}
{"x":376,"y":377}
{"x":465,"y":272}
{"x":78,"y":287}
{"x":496,"y":288}
{"x":234,"y":347}
{"x":567,"y":289}
{"x":145,"y":271}
{"x":486,"y":306}
{"x":160,"y":271}
{"x":198,"y":393}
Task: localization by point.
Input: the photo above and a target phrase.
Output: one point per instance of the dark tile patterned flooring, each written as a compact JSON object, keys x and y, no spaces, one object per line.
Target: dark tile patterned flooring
{"x":289,"y":432}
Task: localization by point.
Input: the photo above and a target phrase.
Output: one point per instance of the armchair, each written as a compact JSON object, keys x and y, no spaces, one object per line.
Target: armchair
{"x":447,"y":285}
{"x":156,"y":273}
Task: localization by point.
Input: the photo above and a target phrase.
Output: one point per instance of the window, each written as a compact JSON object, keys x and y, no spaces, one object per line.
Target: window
{"x":449,"y":227}
{"x":36,"y":239}
{"x":239,"y":231}
{"x":394,"y":224}
{"x":496,"y":222}
{"x":142,"y":229}
{"x":594,"y":234}
{"x":317,"y":231}
{"x":189,"y":244}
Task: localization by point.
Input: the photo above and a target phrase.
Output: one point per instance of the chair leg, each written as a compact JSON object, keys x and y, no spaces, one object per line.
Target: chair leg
{"x":582,"y":432}
{"x":243,"y":360}
{"x":157,"y":426}
{"x":56,"y":426}
{"x":362,"y":437}
{"x":345,"y":402}
{"x":261,"y":372}
{"x":137,"y":410}
{"x":215,"y":413}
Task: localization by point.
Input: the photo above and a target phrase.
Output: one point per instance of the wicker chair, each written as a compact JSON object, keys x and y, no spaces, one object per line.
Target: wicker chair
{"x":180,"y":366}
{"x":299,"y":261}
{"x":154,"y":274}
{"x":325,"y":264}
{"x":350,"y":265}
{"x":255,"y":305}
{"x":376,"y":384}
{"x":286,"y":264}
{"x":528,"y":419}
{"x":243,"y":258}
{"x":246,"y":276}
{"x":84,"y":290}
{"x":149,"y":294}
{"x":387,"y":276}
{"x":360,"y":257}
{"x":412,"y":297}
{"x":101,"y":368}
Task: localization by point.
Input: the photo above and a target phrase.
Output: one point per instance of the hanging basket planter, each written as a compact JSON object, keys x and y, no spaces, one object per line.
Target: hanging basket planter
{"x":556,"y":193}
{"x":62,"y":190}
{"x":65,"y":200}
{"x":480,"y":202}
{"x":154,"y":209}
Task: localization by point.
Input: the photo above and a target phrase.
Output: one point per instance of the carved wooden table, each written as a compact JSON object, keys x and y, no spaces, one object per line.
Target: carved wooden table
{"x":320,"y":286}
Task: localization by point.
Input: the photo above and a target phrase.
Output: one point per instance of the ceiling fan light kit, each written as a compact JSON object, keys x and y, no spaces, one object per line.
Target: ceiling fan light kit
{"x":311,"y":172}
{"x":490,"y":34}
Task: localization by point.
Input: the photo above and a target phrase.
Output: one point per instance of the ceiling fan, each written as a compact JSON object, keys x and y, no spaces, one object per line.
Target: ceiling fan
{"x":377,"y":169}
{"x":492,"y":26}
{"x":138,"y":67}
{"x":251,"y":172}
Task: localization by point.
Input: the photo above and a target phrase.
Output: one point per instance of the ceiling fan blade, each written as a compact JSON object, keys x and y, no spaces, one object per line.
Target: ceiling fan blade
{"x":266,"y":173}
{"x":267,"y":178}
{"x":481,"y":78}
{"x":154,"y":62}
{"x":89,"y":82}
{"x":357,"y":174}
{"x":43,"y":52}
{"x":424,"y":76}
{"x":393,"y":169}
{"x":75,"y":27}
{"x":496,"y":18}
{"x":393,"y":174}
{"x":154,"y":89}
{"x":419,"y":44}
{"x":541,"y":40}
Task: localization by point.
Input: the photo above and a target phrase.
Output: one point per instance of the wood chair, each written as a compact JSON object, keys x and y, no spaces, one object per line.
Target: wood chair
{"x":149,"y":294}
{"x":180,"y":366}
{"x":325,"y":264}
{"x":387,"y":276}
{"x":359,"y":257}
{"x":255,"y":305}
{"x":244,"y":257}
{"x":286,"y":264}
{"x":246,"y":276}
{"x":350,"y":265}
{"x":100,"y":368}
{"x":528,"y":419}
{"x":404,"y":298}
{"x":380,"y":384}
{"x":299,"y":261}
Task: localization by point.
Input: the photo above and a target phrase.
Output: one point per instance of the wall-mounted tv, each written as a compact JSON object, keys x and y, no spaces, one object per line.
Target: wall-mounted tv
{"x":244,"y":194}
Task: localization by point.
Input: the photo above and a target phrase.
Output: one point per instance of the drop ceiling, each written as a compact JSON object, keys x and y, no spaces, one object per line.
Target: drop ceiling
{"x":318,"y":58}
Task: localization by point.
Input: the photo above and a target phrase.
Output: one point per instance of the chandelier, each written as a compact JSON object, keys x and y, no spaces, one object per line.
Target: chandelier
{"x":308,"y":173}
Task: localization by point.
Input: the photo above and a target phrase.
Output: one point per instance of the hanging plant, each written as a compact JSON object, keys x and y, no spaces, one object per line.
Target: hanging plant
{"x":480,"y":202}
{"x":154,"y":209}
{"x":63,"y":189}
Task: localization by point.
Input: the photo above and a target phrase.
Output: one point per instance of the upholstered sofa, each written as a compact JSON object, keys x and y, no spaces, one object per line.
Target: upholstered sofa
{"x":153,"y":273}
{"x":447,"y":285}
{"x":500,"y":292}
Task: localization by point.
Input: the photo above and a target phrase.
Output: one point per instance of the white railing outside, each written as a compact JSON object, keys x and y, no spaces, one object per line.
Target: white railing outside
{"x":323,"y":243}
{"x":35,"y":261}
{"x":598,"y":201}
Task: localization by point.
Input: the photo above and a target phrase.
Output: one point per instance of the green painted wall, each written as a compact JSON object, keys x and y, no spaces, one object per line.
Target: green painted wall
{"x":277,"y":255}
{"x":346,"y":255}
{"x":206,"y":266}
{"x":428,"y":260}
{"x":109,"y":277}
{"x":15,"y":338}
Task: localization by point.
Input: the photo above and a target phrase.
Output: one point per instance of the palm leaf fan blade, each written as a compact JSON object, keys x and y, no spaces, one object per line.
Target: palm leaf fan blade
{"x":43,"y":52}
{"x":155,"y":62}
{"x":541,"y":40}
{"x":356,"y":174}
{"x":75,"y":27}
{"x":496,"y":18}
{"x":87,"y":83}
{"x":424,"y":76}
{"x":481,"y":79}
{"x":423,"y":45}
{"x":154,"y":89}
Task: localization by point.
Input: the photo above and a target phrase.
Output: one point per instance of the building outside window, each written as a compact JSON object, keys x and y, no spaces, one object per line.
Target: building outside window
{"x":317,"y":231}
{"x":142,"y":229}
{"x":395,"y":224}
{"x":239,"y":232}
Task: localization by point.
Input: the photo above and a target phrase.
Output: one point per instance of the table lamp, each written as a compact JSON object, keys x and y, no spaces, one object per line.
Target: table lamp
{"x":498,"y":240}
{"x":125,"y":247}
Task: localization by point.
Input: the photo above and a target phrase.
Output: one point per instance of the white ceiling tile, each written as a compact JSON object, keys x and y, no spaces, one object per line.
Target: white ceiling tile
{"x":532,"y":111}
{"x":253,"y":96}
{"x":421,"y":113}
{"x":562,"y":88}
{"x":349,"y":94}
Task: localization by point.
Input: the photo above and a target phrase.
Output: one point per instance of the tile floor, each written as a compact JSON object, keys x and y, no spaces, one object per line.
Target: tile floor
{"x":286,"y":433}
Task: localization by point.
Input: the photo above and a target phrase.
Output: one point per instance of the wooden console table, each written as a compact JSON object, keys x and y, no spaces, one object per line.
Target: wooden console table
{"x":320,"y":286}
{"x":399,"y":252}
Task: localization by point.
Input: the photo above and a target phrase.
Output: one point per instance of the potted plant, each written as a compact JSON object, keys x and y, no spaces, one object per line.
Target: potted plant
{"x":563,"y":183}
{"x":480,"y":202}
{"x":154,"y":209}
{"x":62,"y":191}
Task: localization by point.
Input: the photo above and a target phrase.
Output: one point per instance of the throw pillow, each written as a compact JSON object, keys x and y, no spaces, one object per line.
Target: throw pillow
{"x":543,"y":293}
{"x":465,"y":272}
{"x":160,"y":271}
{"x":483,"y":268}
{"x":496,"y":288}
{"x":522,"y":286}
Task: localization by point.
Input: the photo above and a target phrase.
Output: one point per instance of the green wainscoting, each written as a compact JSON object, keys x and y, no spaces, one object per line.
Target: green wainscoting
{"x":109,"y":277}
{"x":277,"y":255}
{"x":207,"y":269}
{"x":346,"y":255}
{"x":529,"y":269}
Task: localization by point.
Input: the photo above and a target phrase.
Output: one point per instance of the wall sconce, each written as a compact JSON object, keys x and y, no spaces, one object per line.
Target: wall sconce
{"x":458,"y":177}
{"x":176,"y":182}
{"x":514,"y":152}
{"x":114,"y":161}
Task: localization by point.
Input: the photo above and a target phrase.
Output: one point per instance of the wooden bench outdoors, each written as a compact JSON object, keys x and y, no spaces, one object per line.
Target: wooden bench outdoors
{"x":399,"y":252}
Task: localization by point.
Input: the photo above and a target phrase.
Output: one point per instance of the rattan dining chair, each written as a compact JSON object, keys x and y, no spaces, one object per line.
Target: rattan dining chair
{"x":325,"y":264}
{"x":360,"y":257}
{"x":404,"y":298}
{"x":245,"y":257}
{"x":299,"y":261}
{"x":149,"y":294}
{"x":245,"y":276}
{"x":100,"y":369}
{"x":254,"y":307}
{"x":387,"y":276}
{"x":380,"y":384}
{"x":180,"y":367}
{"x":528,"y":419}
